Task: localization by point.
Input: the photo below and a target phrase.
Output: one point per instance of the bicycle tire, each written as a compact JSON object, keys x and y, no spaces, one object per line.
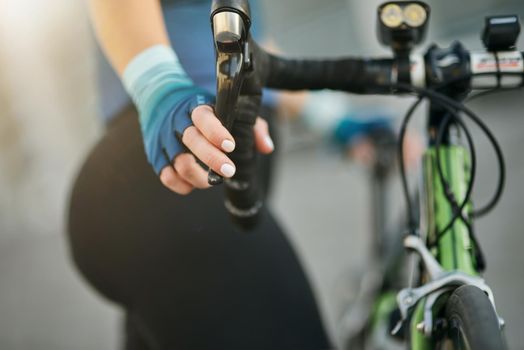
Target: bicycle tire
{"x":472,"y":322}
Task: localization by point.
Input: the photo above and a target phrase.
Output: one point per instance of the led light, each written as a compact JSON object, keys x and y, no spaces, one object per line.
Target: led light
{"x":391,"y":16}
{"x":415,"y":15}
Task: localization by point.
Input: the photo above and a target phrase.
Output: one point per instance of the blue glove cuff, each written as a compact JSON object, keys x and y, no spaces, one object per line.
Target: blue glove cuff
{"x":349,"y":129}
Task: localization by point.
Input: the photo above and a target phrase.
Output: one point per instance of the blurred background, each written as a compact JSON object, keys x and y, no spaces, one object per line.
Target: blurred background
{"x":49,"y":120}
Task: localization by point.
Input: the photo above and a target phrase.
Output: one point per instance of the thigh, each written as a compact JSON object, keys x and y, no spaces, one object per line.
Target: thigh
{"x":185,"y":275}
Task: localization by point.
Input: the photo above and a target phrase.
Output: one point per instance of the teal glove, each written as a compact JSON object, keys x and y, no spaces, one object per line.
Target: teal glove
{"x":165,"y":97}
{"x":348,"y":129}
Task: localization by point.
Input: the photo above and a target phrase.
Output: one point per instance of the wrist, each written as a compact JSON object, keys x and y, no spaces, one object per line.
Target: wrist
{"x":156,"y":82}
{"x":323,"y":110}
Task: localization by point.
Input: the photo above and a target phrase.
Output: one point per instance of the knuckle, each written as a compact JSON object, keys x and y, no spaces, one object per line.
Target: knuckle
{"x":262,"y":124}
{"x":197,"y":115}
{"x":262,"y":121}
{"x":201,"y":113}
{"x":190,"y":135}
{"x":217,"y":136}
{"x":168,"y":179}
{"x":213,"y":160}
{"x":184,"y":168}
{"x":202,"y":109}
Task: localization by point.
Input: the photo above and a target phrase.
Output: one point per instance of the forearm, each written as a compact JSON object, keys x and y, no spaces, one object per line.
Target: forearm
{"x":127,"y":27}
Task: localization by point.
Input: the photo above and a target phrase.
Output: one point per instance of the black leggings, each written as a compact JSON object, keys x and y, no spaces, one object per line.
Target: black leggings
{"x":186,"y":278}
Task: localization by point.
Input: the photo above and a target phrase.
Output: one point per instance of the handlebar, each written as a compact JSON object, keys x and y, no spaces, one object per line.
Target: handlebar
{"x":480,"y":70}
{"x":244,"y":68}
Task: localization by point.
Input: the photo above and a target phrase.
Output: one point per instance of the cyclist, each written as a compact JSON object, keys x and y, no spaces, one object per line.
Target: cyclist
{"x":184,"y":277}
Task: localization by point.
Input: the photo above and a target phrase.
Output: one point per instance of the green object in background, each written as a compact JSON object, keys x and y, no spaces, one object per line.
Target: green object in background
{"x":383,"y":307}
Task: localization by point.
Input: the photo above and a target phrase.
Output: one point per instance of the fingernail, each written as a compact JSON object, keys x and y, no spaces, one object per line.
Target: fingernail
{"x":269,"y":142}
{"x":227,"y":170}
{"x":228,"y":146}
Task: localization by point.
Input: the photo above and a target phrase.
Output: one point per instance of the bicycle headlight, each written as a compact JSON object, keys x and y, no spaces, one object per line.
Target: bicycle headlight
{"x":392,"y":16}
{"x":415,"y":15}
{"x":402,"y":24}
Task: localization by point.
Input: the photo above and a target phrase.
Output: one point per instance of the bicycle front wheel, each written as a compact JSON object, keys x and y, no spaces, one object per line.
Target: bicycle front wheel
{"x":472,"y":323}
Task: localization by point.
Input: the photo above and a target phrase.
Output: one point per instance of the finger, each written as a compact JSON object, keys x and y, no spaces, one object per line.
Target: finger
{"x":413,"y":149}
{"x":190,"y":171}
{"x":363,"y":151}
{"x":174,"y":182}
{"x":207,"y":152}
{"x":205,"y":120}
{"x":263,"y":141}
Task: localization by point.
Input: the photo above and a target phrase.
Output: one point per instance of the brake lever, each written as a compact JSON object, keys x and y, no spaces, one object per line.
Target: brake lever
{"x":229,"y":34}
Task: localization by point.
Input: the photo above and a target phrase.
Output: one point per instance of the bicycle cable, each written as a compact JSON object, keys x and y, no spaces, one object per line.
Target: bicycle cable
{"x":409,"y":114}
{"x":458,"y":211}
{"x":502,"y":169}
{"x":454,"y":108}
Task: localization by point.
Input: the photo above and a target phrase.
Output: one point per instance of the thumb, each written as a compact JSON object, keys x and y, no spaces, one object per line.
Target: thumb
{"x":263,"y":140}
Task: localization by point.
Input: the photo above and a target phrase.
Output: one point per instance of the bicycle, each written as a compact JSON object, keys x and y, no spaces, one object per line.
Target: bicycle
{"x":448,"y":305}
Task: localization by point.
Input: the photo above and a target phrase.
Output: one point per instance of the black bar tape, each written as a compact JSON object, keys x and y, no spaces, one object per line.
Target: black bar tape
{"x":243,"y":199}
{"x":355,"y":75}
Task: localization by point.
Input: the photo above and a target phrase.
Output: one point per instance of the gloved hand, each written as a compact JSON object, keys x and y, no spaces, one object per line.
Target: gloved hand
{"x":348,"y":130}
{"x":176,"y":117}
{"x":363,"y":138}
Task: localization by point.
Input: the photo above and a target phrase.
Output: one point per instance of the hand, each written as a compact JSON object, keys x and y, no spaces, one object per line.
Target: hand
{"x":364,"y":152}
{"x":209,"y":141}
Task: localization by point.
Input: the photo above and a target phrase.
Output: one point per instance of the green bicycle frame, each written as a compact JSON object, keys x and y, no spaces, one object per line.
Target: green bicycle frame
{"x":454,"y":250}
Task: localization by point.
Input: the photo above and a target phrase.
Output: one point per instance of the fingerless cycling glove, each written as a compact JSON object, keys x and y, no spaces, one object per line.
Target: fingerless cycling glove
{"x":165,"y":97}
